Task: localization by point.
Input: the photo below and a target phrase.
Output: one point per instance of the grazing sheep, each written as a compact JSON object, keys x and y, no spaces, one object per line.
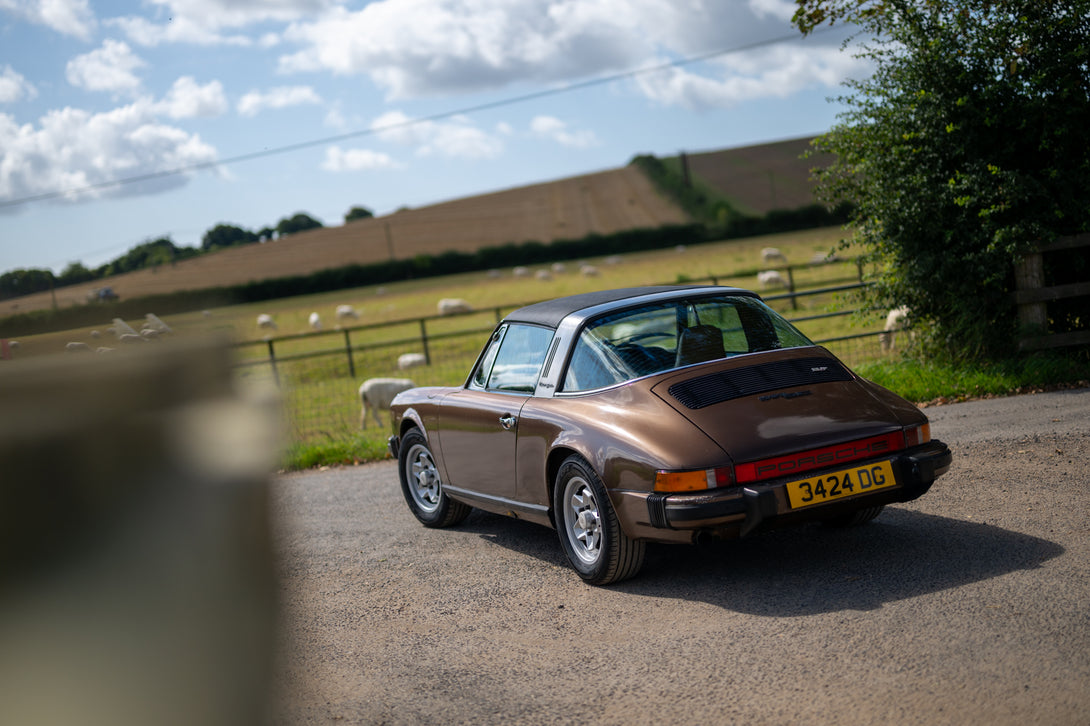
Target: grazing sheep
{"x":95,"y":334}
{"x":543,"y":275}
{"x":347,"y":312}
{"x":152,"y":321}
{"x":452,"y":305}
{"x":521,"y":272}
{"x":613,"y":260}
{"x":588,"y":271}
{"x":77,"y":347}
{"x":378,"y":393}
{"x":821,"y":258}
{"x":896,"y":319}
{"x":315,"y":321}
{"x":149,"y":333}
{"x":103,"y":349}
{"x":493,"y":274}
{"x":771,"y":254}
{"x":559,"y":268}
{"x":410,"y":360}
{"x":131,"y":338}
{"x":264,"y":320}
{"x":680,"y":249}
{"x":770,"y":279}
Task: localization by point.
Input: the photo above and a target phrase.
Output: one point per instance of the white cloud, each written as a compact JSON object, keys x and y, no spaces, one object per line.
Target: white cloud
{"x":455,"y":137}
{"x":204,"y":22}
{"x":109,"y":68}
{"x":774,"y":72}
{"x":14,"y":87}
{"x":416,"y":48}
{"x":338,"y":159}
{"x":255,"y":102}
{"x":188,"y":99}
{"x":70,"y":17}
{"x":553,"y":128}
{"x":72,"y":149}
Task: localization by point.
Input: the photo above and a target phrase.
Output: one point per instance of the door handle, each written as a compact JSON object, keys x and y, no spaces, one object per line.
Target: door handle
{"x":507,"y":421}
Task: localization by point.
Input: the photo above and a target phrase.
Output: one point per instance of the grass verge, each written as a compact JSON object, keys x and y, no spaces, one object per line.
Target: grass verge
{"x":934,"y":383}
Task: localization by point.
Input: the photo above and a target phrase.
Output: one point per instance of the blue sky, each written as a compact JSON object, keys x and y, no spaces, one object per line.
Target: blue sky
{"x":96,"y":92}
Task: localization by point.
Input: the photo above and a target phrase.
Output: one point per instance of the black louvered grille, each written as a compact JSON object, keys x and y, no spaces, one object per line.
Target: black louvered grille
{"x":726,"y":385}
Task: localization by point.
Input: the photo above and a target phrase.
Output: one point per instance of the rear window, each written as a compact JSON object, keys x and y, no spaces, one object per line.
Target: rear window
{"x":659,"y":337}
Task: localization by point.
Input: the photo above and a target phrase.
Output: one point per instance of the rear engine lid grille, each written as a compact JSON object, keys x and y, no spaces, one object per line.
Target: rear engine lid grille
{"x":721,"y":386}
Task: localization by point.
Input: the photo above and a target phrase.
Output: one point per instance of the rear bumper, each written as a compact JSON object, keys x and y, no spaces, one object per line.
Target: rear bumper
{"x":740,"y":511}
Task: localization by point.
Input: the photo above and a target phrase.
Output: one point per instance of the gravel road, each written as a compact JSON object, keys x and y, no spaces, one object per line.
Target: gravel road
{"x":968,"y":606}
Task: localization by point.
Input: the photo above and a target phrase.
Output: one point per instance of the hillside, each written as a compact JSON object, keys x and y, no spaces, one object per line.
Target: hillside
{"x":758,"y":179}
{"x":603,"y":202}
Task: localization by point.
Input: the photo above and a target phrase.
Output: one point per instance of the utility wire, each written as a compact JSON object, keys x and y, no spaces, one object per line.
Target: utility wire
{"x":467,"y":110}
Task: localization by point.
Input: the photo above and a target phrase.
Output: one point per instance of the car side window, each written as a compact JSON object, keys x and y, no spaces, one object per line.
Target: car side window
{"x":480,"y":376}
{"x":513,"y":361}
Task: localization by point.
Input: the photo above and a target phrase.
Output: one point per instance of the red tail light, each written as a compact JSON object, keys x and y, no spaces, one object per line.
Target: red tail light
{"x":802,"y":461}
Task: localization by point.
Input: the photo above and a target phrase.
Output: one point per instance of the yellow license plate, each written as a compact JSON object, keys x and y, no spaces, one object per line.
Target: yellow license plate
{"x":840,"y":484}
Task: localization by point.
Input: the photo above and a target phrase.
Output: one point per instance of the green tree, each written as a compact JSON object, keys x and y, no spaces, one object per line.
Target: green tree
{"x":227,"y":235}
{"x":74,"y":274}
{"x":358,"y":213}
{"x":964,"y":150}
{"x":298,"y":223}
{"x":17,"y":283}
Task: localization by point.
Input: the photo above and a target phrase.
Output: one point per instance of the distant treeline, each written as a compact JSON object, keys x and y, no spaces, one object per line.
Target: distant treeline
{"x":381,"y":273}
{"x":152,"y":254}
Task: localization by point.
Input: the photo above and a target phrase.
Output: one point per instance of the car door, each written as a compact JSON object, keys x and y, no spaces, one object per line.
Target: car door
{"x":478,"y":425}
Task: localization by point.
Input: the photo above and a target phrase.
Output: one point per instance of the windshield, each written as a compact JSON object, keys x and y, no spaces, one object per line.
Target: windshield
{"x":637,"y":342}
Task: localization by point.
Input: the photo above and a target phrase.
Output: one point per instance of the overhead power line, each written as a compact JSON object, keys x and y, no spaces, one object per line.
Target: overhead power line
{"x":464,"y":111}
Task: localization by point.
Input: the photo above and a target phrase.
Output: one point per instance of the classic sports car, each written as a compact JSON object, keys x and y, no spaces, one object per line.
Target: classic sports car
{"x":661,"y":414}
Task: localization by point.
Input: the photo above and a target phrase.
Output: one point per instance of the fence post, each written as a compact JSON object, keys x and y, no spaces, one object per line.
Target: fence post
{"x":859,"y":268}
{"x":424,"y":341}
{"x":272,"y":362}
{"x":348,"y":350}
{"x":791,"y":289}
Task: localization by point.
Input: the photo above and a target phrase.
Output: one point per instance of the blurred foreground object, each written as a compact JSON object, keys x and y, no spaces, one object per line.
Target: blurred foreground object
{"x":137,"y":583}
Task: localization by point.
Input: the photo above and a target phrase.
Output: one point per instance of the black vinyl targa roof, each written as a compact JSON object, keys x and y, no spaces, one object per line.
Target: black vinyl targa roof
{"x":551,"y":312}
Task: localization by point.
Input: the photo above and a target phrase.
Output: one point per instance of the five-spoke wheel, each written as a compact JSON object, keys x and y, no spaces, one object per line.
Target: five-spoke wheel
{"x":423,"y":487}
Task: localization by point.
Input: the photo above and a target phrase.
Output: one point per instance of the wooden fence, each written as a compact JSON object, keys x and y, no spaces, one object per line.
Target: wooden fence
{"x":1032,"y":296}
{"x":425,"y":338}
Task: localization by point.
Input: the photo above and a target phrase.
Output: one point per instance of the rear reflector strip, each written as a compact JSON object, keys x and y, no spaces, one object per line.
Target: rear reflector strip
{"x":778,"y":466}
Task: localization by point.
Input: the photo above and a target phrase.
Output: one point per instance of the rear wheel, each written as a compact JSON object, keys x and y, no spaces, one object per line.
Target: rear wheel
{"x":589,"y":531}
{"x":423,"y":487}
{"x":856,"y":518}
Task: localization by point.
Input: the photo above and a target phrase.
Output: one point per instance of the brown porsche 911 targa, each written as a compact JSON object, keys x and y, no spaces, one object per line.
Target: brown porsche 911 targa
{"x":659,"y":414}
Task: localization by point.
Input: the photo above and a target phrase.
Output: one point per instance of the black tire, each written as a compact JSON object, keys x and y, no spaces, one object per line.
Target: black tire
{"x":423,"y":487}
{"x":589,"y":531}
{"x":856,"y":518}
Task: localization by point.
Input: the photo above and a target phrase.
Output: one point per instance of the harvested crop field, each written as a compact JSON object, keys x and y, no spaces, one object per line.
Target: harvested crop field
{"x":604,"y":203}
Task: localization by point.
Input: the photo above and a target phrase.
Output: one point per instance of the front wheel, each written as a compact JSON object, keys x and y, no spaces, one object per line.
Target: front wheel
{"x":589,"y":531}
{"x":423,"y":487}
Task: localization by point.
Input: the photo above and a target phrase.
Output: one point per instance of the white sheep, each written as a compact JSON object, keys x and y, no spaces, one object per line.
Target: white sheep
{"x":452,"y":305}
{"x":378,"y":393}
{"x":771,"y":254}
{"x":521,"y":272}
{"x":588,"y":271}
{"x":132,"y":338}
{"x":315,"y":321}
{"x":77,"y":347}
{"x":771,"y":278}
{"x":410,"y":360}
{"x":264,"y":320}
{"x":896,"y":319}
{"x":149,"y":333}
{"x":559,"y":268}
{"x":347,"y":312}
{"x":543,"y":275}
